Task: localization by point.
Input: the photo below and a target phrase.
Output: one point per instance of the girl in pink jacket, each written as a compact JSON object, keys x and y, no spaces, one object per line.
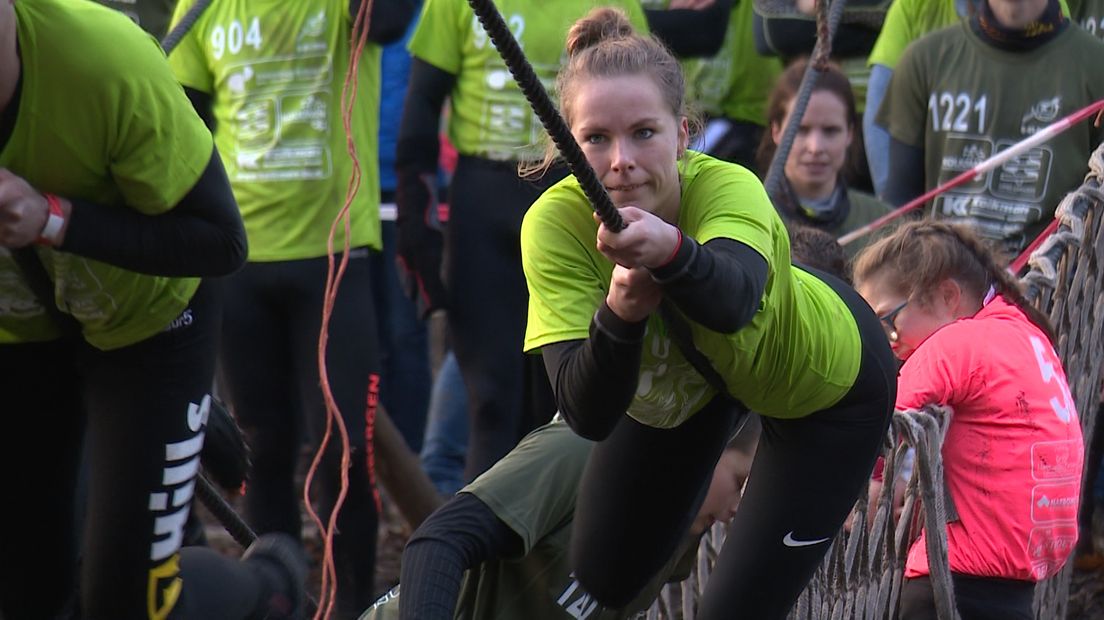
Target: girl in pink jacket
{"x":1013,"y":452}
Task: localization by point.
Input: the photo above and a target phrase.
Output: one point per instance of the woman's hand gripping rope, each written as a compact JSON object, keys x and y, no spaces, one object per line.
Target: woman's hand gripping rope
{"x":647,"y":241}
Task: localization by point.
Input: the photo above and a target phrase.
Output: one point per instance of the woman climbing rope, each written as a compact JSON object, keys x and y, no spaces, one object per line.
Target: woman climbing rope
{"x":705,"y":249}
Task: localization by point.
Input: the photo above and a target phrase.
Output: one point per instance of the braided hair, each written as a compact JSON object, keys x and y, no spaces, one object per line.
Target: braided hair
{"x":919,"y":255}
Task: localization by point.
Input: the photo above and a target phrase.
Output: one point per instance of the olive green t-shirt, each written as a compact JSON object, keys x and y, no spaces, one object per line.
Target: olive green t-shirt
{"x":533,"y":490}
{"x":962,"y":101}
{"x":102,"y":119}
{"x":865,"y":208}
{"x":861,"y":209}
{"x":276,"y":70}
{"x":799,"y":354}
{"x":489,"y":116}
{"x":152,"y":15}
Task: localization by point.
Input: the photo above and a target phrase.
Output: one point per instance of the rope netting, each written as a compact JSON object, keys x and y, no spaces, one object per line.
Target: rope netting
{"x":1066,"y":282}
{"x":861,"y":576}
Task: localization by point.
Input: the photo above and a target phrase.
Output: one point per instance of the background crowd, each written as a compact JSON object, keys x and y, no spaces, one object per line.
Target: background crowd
{"x":160,"y":282}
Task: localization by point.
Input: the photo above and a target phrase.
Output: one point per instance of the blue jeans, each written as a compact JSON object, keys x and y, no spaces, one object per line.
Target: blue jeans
{"x":404,"y":347}
{"x":446,"y":438}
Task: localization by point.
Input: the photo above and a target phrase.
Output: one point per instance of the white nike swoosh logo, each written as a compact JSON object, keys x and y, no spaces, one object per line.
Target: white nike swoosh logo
{"x":790,"y":541}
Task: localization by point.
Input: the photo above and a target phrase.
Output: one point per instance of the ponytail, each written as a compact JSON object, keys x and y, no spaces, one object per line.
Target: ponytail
{"x":1002,"y":280}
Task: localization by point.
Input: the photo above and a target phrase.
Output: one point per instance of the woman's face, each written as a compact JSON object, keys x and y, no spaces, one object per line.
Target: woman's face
{"x":632,"y":140}
{"x":820,"y":147}
{"x":723,"y":496}
{"x":908,"y":320}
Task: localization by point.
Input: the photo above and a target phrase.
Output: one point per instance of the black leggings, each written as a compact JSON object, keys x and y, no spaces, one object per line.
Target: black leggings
{"x":508,"y":391}
{"x":643,"y":486}
{"x":269,"y":362}
{"x":977,"y":598}
{"x":142,"y":408}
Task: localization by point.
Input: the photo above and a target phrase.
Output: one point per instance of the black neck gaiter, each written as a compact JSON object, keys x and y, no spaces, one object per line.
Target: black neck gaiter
{"x":1039,"y":32}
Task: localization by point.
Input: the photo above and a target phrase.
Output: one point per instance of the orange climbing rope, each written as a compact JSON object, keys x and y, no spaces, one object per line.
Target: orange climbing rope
{"x":328,"y":595}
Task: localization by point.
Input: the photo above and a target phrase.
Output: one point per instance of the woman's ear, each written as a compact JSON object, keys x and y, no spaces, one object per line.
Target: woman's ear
{"x":776,"y":133}
{"x":684,"y":136}
{"x":950,"y":296}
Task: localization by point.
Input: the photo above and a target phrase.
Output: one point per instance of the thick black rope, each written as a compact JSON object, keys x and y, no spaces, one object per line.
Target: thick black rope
{"x":174,"y":37}
{"x":541,"y":103}
{"x":238,"y":529}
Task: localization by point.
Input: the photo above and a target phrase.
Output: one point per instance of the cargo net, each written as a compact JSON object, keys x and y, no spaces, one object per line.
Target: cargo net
{"x":862,"y":574}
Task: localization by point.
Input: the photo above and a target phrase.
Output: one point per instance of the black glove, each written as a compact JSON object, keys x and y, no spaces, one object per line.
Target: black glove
{"x":420,"y":241}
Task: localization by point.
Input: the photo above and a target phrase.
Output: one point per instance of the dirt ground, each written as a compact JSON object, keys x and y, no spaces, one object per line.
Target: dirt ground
{"x":393,"y":533}
{"x":393,"y":530}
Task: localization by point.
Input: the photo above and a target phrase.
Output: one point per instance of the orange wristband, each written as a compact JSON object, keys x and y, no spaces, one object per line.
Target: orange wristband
{"x":51,"y":231}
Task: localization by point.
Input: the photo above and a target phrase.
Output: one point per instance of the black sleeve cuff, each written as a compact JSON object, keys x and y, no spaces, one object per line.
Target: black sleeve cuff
{"x":718,"y":285}
{"x":679,"y":264}
{"x":615,"y":328}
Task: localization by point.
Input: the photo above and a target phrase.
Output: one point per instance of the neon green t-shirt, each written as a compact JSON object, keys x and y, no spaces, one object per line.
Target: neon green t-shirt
{"x":798,"y":355}
{"x":276,"y":70}
{"x":710,"y":80}
{"x":736,"y":82}
{"x":906,"y":21}
{"x":991,"y":100}
{"x":131,"y":140}
{"x":489,"y":116}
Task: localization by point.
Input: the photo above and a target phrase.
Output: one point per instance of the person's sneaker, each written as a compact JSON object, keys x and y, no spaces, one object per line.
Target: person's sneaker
{"x":281,"y":565}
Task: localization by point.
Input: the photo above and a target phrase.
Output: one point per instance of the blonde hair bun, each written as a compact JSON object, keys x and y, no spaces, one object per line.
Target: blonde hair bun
{"x":603,"y":23}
